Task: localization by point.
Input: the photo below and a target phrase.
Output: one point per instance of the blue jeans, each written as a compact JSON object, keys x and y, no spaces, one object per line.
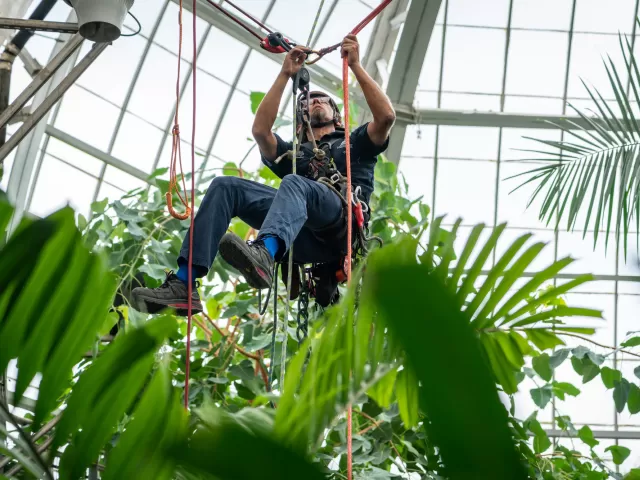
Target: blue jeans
{"x":296,"y":213}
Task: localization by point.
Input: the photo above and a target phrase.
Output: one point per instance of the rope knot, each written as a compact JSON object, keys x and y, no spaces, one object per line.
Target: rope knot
{"x":176,"y":130}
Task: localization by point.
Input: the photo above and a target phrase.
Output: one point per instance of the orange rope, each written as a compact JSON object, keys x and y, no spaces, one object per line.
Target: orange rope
{"x":190,"y":210}
{"x":176,"y":152}
{"x":176,"y":159}
{"x":347,"y":139}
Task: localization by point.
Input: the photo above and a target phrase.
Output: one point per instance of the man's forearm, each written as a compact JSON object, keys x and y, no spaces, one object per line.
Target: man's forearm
{"x":379,"y":104}
{"x":268,"y":110}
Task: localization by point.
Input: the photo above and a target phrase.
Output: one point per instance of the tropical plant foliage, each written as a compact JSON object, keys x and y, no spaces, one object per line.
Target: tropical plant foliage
{"x":590,"y":180}
{"x":416,"y":346}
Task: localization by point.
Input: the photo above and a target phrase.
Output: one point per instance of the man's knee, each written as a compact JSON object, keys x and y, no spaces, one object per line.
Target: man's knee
{"x":294,"y":181}
{"x":225,"y":182}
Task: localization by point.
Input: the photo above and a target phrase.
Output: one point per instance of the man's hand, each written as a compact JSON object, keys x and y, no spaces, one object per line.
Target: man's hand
{"x":351,"y":50}
{"x":294,"y":61}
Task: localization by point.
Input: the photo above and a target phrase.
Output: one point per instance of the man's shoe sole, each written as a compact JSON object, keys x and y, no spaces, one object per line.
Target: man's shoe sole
{"x":231,"y":248}
{"x":151,"y":305}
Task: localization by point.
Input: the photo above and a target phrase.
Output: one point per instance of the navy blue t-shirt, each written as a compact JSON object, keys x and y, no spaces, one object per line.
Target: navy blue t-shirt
{"x":364,"y":155}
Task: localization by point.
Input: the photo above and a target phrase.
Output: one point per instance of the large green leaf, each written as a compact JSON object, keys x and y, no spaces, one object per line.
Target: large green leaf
{"x":215,"y":449}
{"x":500,"y":310}
{"x":157,"y":428}
{"x":106,"y":391}
{"x":459,"y":397}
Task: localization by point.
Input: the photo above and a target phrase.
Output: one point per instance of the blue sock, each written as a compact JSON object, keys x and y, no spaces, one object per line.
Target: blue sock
{"x":183,"y":273}
{"x":272,"y":244}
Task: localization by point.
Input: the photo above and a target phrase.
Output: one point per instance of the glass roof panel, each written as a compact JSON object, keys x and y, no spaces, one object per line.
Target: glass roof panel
{"x":98,"y":117}
{"x":474,"y":60}
{"x":611,"y":17}
{"x":547,"y":14}
{"x":120,"y":62}
{"x":222,"y":55}
{"x":537,"y":63}
{"x":488,"y":13}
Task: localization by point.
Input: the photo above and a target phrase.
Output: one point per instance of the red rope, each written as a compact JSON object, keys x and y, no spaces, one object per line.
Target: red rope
{"x":236,"y":20}
{"x":347,"y":139}
{"x":193,"y":198}
{"x":251,"y":17}
{"x":176,"y":151}
{"x":374,"y":13}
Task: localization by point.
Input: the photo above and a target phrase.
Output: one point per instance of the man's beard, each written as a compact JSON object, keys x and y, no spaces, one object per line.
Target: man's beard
{"x":320,"y":117}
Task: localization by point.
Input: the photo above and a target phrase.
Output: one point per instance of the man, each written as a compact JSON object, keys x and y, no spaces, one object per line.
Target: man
{"x":302,"y":212}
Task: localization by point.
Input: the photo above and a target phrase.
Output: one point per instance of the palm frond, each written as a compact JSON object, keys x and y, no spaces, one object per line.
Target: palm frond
{"x":592,"y":181}
{"x":498,"y":309}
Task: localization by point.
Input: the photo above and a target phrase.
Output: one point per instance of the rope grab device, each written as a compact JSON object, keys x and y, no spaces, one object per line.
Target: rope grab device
{"x":275,"y":42}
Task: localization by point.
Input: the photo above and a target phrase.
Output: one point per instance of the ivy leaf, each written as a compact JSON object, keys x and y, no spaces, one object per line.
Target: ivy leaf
{"x":540,"y":438}
{"x":258,"y":343}
{"x":632,"y":342}
{"x":99,"y":207}
{"x":135,"y":230}
{"x":153,"y":270}
{"x":558,"y":357}
{"x":585,"y":368}
{"x":586,"y":435}
{"x":564,"y":422}
{"x":610,"y":376}
{"x":542,"y":367}
{"x":619,"y":453}
{"x":256,"y":99}
{"x":82,"y":222}
{"x":620,"y":394}
{"x":633,"y":400}
{"x":564,"y":388}
{"x":590,"y":372}
{"x":230,"y":169}
{"x":580,"y":352}
{"x":541,"y":396}
{"x":158,"y":172}
{"x":541,"y":443}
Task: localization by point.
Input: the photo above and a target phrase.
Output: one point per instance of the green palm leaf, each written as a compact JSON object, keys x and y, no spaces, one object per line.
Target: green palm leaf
{"x":595,"y":171}
{"x":497,"y":309}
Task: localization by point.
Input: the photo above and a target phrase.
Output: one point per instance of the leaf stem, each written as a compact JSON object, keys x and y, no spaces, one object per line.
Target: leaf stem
{"x":598,"y":344}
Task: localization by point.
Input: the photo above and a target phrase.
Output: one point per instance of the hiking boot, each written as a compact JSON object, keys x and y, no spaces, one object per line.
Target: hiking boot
{"x":251,"y":259}
{"x":173,"y":293}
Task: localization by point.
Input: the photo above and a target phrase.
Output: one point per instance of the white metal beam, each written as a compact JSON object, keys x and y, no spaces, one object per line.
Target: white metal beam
{"x":97,"y":153}
{"x":407,"y":115}
{"x":407,"y":66}
{"x":25,"y":158}
{"x":383,"y":39}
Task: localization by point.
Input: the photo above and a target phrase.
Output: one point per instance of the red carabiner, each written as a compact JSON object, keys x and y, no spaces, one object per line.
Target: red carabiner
{"x":266,"y":45}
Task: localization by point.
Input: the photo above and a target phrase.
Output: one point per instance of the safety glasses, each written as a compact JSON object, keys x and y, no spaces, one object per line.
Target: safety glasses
{"x":326,"y":100}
